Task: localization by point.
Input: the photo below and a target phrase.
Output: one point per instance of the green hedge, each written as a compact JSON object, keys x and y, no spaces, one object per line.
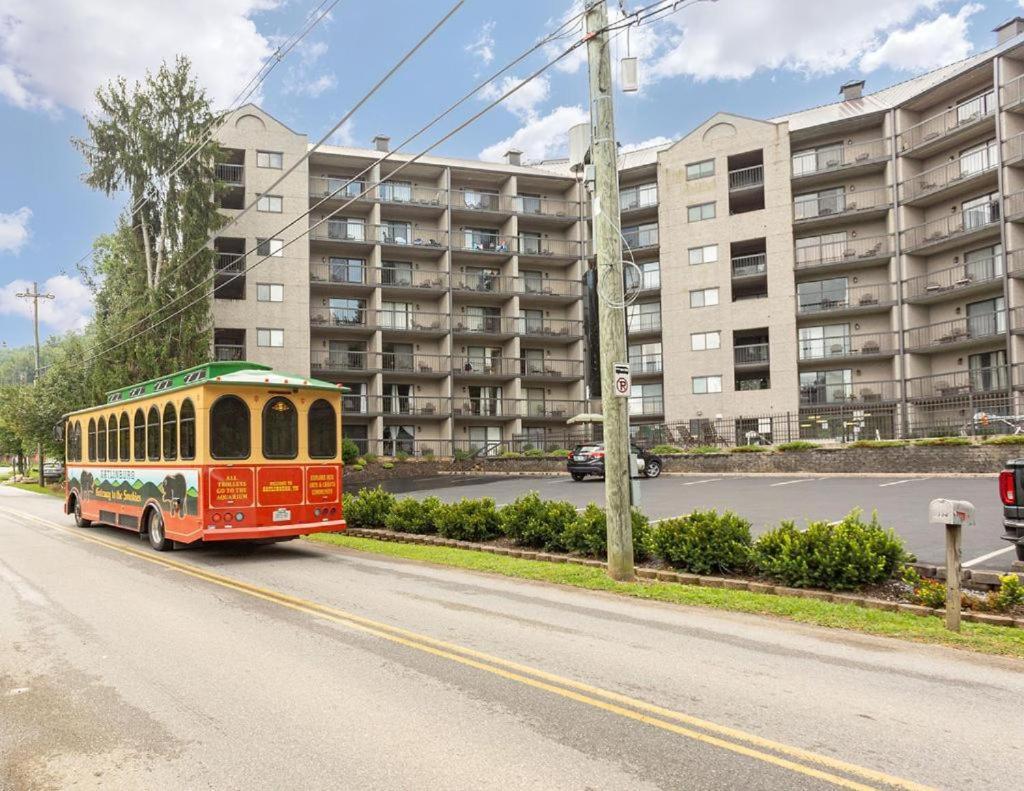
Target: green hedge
{"x":588,"y":534}
{"x":943,"y":441}
{"x":748,"y":449}
{"x":469,"y":520}
{"x":878,"y":443}
{"x":349,"y":451}
{"x":410,"y":515}
{"x":704,"y":542}
{"x":1005,"y":439}
{"x":532,"y":522}
{"x":796,"y":445}
{"x":368,"y":507}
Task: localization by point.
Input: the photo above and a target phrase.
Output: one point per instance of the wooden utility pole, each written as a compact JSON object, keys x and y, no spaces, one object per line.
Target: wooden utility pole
{"x":35,"y":296}
{"x":608,"y":241}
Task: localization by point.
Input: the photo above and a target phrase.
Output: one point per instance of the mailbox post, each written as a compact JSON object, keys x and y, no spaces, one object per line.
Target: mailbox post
{"x":955,"y":515}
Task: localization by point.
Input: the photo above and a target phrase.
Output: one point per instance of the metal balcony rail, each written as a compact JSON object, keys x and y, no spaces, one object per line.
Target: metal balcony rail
{"x":638,"y":238}
{"x":338,"y":188}
{"x":343,"y":231}
{"x":861,"y":296}
{"x":407,"y":194}
{"x":411,"y":320}
{"x":643,"y":322}
{"x":485,"y":325}
{"x":1013,"y":149}
{"x":954,"y":278}
{"x":481,"y":201}
{"x":548,"y":286}
{"x":341,"y":272}
{"x":475,"y":365}
{"x":395,"y":277}
{"x":1015,"y":261}
{"x":645,"y":364}
{"x":559,"y":408}
{"x":647,"y":280}
{"x":483,"y":242}
{"x":414,"y":363}
{"x":640,"y":197}
{"x":1014,"y":204}
{"x":963,"y":222}
{"x":411,"y":235}
{"x":229,"y":263}
{"x":228,"y":352}
{"x":341,"y":318}
{"x":947,"y":121}
{"x":232,"y":175}
{"x":344,"y":360}
{"x":550,"y":327}
{"x":750,"y":354}
{"x":855,"y":392}
{"x":354,"y":404}
{"x":750,"y":265}
{"x":863,"y":343}
{"x":824,"y":160}
{"x":416,"y":448}
{"x":410,"y":405}
{"x":947,"y":174}
{"x":646,"y":405}
{"x":849,"y":250}
{"x":546,"y":207}
{"x":483,"y":282}
{"x":983,"y":325}
{"x":746,"y":178}
{"x":809,"y":207}
{"x":957,"y":384}
{"x":1012,"y":93}
{"x":485,"y":407}
{"x":547,"y":246}
{"x":555,"y":368}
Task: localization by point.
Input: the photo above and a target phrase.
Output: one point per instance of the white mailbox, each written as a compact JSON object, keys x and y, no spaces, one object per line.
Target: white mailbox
{"x":951,"y":512}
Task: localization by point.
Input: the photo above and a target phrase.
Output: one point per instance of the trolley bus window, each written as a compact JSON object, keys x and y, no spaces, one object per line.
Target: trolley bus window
{"x":112,"y":438}
{"x":322,"y":430}
{"x":126,"y":438}
{"x":101,"y":440}
{"x":92,"y":439}
{"x":229,"y":428}
{"x":140,"y":436}
{"x":153,"y":434}
{"x":280,"y":429}
{"x":187,"y":421}
{"x":170,"y":433}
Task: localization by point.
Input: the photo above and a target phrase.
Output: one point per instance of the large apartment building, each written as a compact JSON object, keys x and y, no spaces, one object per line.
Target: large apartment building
{"x":849,"y":268}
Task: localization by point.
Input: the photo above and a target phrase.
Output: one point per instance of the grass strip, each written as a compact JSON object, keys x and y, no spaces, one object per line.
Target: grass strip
{"x":982,"y":638}
{"x":35,"y":487}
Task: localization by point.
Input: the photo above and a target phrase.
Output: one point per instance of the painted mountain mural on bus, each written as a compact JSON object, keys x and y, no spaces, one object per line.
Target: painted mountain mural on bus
{"x":176,"y":490}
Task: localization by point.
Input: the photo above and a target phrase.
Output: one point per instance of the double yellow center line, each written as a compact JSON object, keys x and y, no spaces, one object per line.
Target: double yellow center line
{"x":821,"y":767}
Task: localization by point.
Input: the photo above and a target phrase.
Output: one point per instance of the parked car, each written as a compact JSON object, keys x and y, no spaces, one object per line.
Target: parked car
{"x":588,"y":459}
{"x":1011,"y":492}
{"x":53,"y":470}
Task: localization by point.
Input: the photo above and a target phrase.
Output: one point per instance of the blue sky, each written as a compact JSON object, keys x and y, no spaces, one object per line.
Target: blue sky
{"x":756,"y":57}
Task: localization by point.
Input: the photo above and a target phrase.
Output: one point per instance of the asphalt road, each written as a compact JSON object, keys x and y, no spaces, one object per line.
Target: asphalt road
{"x":302,"y":666}
{"x":901,"y":502}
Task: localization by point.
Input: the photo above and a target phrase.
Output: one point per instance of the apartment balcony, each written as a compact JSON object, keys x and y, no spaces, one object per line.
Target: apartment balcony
{"x":490,"y":369}
{"x":342,"y":277}
{"x":817,"y":210}
{"x":880,"y":391}
{"x":1011,"y":95}
{"x":983,"y":329}
{"x":816,"y":167}
{"x":1013,"y":206}
{"x":550,"y":409}
{"x":746,"y":178}
{"x":646,"y":407}
{"x":846,"y":254}
{"x":333,"y":190}
{"x":352,"y":363}
{"x":411,"y":406}
{"x":871,"y":298}
{"x":856,"y":347}
{"x":359,"y":406}
{"x":547,"y":290}
{"x":350,"y":322}
{"x":970,"y":173}
{"x":483,"y":410}
{"x":547,"y":250}
{"x":482,"y":204}
{"x":403,"y":365}
{"x":228,"y":352}
{"x":750,"y":356}
{"x":413,"y":283}
{"x":638,"y":239}
{"x":483,"y":286}
{"x":480,"y":244}
{"x":554,"y":212}
{"x":411,"y":324}
{"x":749,"y":267}
{"x":492,"y":327}
{"x":643,"y":324}
{"x":965,"y":226}
{"x":414,"y":241}
{"x":561,"y":330}
{"x":955,"y":281}
{"x":959,"y":385}
{"x":638,"y":201}
{"x":948,"y":127}
{"x":229,"y":175}
{"x":549,"y":370}
{"x":413,"y":200}
{"x":646,"y":365}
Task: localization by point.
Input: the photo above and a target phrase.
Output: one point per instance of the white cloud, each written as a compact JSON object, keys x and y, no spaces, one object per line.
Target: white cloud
{"x":314,"y":87}
{"x":14,"y":231}
{"x":57,"y":53}
{"x":657,"y":140}
{"x":345,"y":136}
{"x":69,"y":310}
{"x":482,"y":48}
{"x":524,"y":101}
{"x":925,"y":46}
{"x":541,"y":137}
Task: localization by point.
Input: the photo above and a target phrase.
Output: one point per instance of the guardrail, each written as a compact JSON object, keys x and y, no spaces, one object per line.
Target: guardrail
{"x":864,"y":343}
{"x":954,"y":278}
{"x":967,"y":328}
{"x":947,"y":121}
{"x":860,"y":296}
{"x":750,"y":265}
{"x":959,"y":224}
{"x":946,"y":175}
{"x":826,"y":160}
{"x":846,"y":250}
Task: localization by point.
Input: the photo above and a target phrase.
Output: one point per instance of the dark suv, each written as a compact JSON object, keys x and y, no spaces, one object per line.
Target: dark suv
{"x":588,"y":459}
{"x":1011,"y":492}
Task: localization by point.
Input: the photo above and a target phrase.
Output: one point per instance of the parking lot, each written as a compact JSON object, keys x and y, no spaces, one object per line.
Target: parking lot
{"x":902,"y":503}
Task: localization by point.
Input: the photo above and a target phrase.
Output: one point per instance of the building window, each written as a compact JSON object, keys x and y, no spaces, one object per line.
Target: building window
{"x":705,"y":341}
{"x":269,"y":337}
{"x":269,"y":159}
{"x":826,"y":387}
{"x":821,"y":158}
{"x":818,"y":295}
{"x":820,"y":249}
{"x":646,"y":399}
{"x":645,"y":235}
{"x":707,"y":384}
{"x":703,"y":297}
{"x":643,"y":317}
{"x":829,"y":340}
{"x":702,"y":211}
{"x":272,"y":247}
{"x":269,"y":292}
{"x":699,"y":170}
{"x":270,"y":203}
{"x":708,"y":254}
{"x":643,"y":276}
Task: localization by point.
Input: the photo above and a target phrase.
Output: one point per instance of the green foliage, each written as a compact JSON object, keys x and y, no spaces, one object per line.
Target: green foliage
{"x":357,"y":468}
{"x":704,"y":542}
{"x":588,"y":534}
{"x":469,"y":520}
{"x":370,"y":458}
{"x":387,"y":465}
{"x":840,"y":556}
{"x":932,"y":441}
{"x":533,"y":452}
{"x":1010,"y":593}
{"x":368,"y":507}
{"x":878,"y":443}
{"x":349,"y":451}
{"x":410,"y":515}
{"x":748,"y":449}
{"x":401,"y":456}
{"x":461,"y":455}
{"x":926,"y":592}
{"x":1005,"y":439}
{"x":668,"y":450}
{"x":557,"y":453}
{"x":532,"y":522}
{"x":511,"y":454}
{"x":796,"y":445}
{"x":705,"y":449}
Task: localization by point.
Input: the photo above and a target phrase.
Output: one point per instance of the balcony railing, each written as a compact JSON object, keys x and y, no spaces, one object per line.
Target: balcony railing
{"x":645,"y":364}
{"x":854,"y":393}
{"x":344,"y":361}
{"x":954,"y":278}
{"x":968,"y":328}
{"x":548,"y":286}
{"x":483,"y":282}
{"x":232,"y":175}
{"x":959,"y":384}
{"x":337,"y":188}
{"x":549,"y":408}
{"x":1012,"y":93}
{"x":750,"y":354}
{"x":410,"y":363}
{"x":809,"y":207}
{"x":643,"y":322}
{"x":746,"y":178}
{"x":411,"y":405}
{"x":646,"y":405}
{"x":341,"y":318}
{"x":750,"y":265}
{"x":407,"y":195}
{"x":857,"y":344}
{"x":639,"y":238}
{"x":944,"y":228}
{"x":411,"y":236}
{"x":228,"y":352}
{"x":341,"y":272}
{"x":533,"y":206}
{"x":485,"y":407}
{"x":947,"y":121}
{"x":229,"y":263}
{"x":554,"y":368}
{"x":848,"y":250}
{"x":411,"y":321}
{"x":393,"y":277}
{"x":947,"y":175}
{"x":485,"y":325}
{"x":548,"y":328}
{"x":826,"y":160}
{"x":482,"y":201}
{"x":547,"y":247}
{"x":485,"y":366}
{"x":861,"y":296}
{"x":633,"y":198}
{"x":484,"y":242}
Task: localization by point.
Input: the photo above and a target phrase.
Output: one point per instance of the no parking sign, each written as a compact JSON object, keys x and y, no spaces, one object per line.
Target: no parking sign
{"x":622,"y":383}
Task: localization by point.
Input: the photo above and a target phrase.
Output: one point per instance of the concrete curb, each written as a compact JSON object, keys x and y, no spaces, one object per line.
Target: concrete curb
{"x":731,"y":583}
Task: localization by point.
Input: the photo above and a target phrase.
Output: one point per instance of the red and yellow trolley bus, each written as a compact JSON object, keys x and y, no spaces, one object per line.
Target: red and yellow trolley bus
{"x":223,"y":451}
